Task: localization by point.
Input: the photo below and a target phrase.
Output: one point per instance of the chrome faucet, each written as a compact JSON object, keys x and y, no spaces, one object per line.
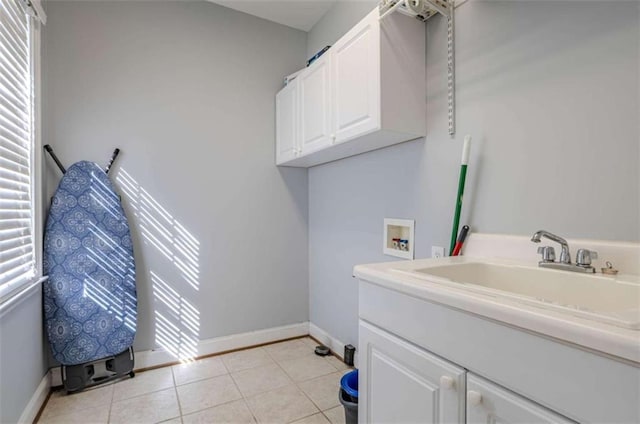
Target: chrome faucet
{"x":565,"y":255}
{"x":583,"y":257}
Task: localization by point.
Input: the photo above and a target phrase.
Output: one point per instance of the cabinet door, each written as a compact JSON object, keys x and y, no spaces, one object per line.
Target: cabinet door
{"x":315,"y":106}
{"x":356,"y":79}
{"x":286,"y":123}
{"x":400,"y":383}
{"x":489,"y":403}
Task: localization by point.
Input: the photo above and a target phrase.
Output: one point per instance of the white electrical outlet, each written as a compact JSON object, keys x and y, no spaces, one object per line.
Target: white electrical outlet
{"x":437,"y":252}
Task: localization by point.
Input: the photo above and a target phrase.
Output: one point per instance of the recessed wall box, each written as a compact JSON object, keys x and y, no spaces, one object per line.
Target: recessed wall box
{"x":398,"y":238}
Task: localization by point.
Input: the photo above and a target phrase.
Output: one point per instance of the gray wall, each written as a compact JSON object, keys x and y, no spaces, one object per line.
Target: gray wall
{"x":336,"y":22}
{"x":550,"y":93}
{"x":22,"y":358}
{"x":186,"y":90}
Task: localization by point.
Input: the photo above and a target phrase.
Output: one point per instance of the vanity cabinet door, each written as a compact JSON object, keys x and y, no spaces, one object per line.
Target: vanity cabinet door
{"x":401,"y":383}
{"x":489,"y":403}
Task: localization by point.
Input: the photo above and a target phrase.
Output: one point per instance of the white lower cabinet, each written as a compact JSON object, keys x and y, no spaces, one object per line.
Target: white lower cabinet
{"x":405,"y":341}
{"x":489,"y":403}
{"x":405,"y":384}
{"x":402,"y":383}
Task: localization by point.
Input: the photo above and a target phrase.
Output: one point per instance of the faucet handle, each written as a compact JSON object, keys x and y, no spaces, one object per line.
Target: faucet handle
{"x":584,"y":257}
{"x":548,"y":253}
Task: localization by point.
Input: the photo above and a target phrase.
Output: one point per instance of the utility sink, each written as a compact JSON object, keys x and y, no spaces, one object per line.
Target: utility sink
{"x":609,"y":300}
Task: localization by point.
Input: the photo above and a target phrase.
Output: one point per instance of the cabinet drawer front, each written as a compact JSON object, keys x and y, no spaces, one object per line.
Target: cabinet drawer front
{"x":490,"y":403}
{"x":400,"y":383}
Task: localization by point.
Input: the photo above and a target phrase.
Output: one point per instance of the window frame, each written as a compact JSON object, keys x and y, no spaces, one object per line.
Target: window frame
{"x":12,"y":296}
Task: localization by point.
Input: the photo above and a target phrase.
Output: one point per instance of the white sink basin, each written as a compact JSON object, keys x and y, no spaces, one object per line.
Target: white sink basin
{"x":614,"y":301}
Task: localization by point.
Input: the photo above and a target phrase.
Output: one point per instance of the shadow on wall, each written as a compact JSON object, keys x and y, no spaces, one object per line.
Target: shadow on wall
{"x":177,"y":320}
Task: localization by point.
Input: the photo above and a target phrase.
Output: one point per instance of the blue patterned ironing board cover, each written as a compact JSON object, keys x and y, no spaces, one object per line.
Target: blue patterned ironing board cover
{"x":90,"y":296}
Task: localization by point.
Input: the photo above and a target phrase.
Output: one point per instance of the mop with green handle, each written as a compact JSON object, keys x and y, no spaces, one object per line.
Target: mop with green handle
{"x":463,"y":175}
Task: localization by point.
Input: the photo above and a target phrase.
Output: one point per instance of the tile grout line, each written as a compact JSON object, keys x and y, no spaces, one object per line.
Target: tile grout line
{"x":246,"y":398}
{"x":242,"y":396}
{"x":113,"y":391}
{"x":278,"y":363}
{"x":175,"y":389}
{"x":252,"y":367}
{"x":296,"y":384}
{"x":86,"y":408}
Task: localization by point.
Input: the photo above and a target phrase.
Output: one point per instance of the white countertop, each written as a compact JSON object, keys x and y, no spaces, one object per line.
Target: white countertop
{"x":608,"y":339}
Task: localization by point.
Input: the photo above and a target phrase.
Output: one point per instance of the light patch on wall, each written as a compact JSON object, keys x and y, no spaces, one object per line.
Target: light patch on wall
{"x":177,"y":320}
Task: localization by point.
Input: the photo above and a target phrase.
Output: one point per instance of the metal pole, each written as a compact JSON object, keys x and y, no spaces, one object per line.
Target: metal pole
{"x":115,"y":154}
{"x":55,"y":158}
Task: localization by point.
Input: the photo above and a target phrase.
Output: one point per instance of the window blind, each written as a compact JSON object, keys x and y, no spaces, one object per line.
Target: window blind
{"x":17,"y":252}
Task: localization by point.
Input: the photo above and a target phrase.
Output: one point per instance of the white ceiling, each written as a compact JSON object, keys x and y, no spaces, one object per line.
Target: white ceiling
{"x":299,"y":14}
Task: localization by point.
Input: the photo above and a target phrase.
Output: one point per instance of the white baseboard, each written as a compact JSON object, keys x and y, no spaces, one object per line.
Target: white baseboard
{"x":35,"y":403}
{"x":159,"y":357}
{"x":153,"y":358}
{"x":331,"y":342}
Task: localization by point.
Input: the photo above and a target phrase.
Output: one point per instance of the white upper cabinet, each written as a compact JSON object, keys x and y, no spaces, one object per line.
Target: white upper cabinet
{"x":356,"y":81}
{"x":364,"y":93}
{"x":287,"y":123}
{"x":315,"y":106}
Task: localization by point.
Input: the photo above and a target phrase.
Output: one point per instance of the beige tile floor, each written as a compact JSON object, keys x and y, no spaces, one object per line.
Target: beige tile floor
{"x":279,"y":383}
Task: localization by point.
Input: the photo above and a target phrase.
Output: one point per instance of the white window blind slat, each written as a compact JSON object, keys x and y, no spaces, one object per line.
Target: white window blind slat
{"x":11,"y":162}
{"x":13,"y":214}
{"x":15,"y":276}
{"x":14,"y":33}
{"x":17,"y":139}
{"x":15,"y":262}
{"x":11,"y":143}
{"x":16,"y":16}
{"x":12,"y":174}
{"x":15,"y":193}
{"x":14,"y":71}
{"x":17,"y":136}
{"x":13,"y":52}
{"x":13,"y":232}
{"x":11,"y":106}
{"x":15,"y":114}
{"x":16,"y":101}
{"x":22,"y":245}
{"x":14,"y":205}
{"x":16,"y":184}
{"x":15,"y":223}
{"x":7,"y":87}
{"x":17,"y":250}
{"x":14,"y":122}
{"x":13,"y":84}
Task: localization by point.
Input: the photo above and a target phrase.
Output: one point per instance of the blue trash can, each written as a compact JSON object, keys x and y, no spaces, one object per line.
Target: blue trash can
{"x":349,"y":396}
